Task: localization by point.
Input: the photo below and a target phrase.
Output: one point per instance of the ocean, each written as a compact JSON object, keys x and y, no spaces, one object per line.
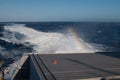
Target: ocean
{"x":21,"y":38}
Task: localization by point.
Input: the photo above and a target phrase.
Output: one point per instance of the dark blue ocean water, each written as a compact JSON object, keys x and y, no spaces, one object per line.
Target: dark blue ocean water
{"x":99,"y":34}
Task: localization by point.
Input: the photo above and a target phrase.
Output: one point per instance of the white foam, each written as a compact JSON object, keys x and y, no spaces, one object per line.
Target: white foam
{"x":45,"y":42}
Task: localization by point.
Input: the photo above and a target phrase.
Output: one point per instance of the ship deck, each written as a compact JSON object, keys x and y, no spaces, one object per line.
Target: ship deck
{"x":91,"y":66}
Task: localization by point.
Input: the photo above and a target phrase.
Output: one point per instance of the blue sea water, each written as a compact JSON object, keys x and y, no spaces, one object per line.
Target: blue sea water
{"x":19,"y":38}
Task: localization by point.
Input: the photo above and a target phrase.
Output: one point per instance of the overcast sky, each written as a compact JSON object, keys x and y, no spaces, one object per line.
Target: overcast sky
{"x":60,"y":10}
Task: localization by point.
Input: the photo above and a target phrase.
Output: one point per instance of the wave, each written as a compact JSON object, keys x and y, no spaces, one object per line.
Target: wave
{"x":44,"y":42}
{"x":49,"y":42}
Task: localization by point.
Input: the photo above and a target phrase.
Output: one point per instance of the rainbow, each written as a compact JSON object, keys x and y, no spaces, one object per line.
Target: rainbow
{"x":74,"y":35}
{"x":81,"y":45}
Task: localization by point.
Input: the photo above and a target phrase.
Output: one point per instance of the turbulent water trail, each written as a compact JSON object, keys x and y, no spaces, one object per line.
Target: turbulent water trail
{"x":44,"y":42}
